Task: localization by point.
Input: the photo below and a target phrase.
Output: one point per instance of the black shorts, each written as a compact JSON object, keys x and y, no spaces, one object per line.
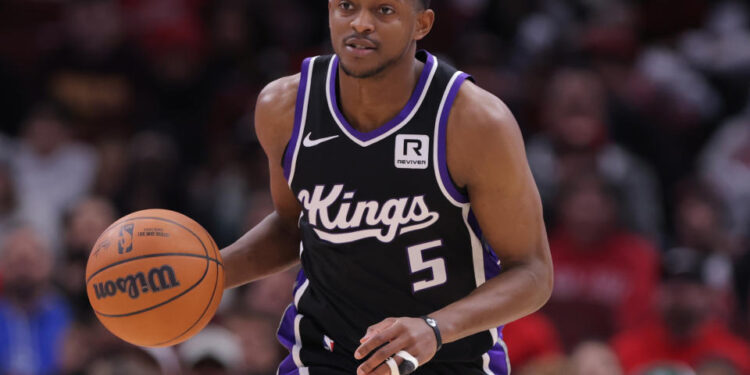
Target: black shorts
{"x":313,"y":353}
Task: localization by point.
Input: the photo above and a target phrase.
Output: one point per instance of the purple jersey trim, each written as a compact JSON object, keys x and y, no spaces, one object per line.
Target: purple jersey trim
{"x":450,"y":187}
{"x":364,"y":137}
{"x":292,"y":146}
{"x":492,"y":265}
{"x":498,"y":359}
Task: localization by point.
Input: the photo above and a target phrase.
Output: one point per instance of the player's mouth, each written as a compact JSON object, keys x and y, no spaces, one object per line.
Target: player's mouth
{"x":360,"y":46}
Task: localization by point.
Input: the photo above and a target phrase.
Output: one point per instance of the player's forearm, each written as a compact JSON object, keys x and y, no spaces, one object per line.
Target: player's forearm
{"x":518,"y":291}
{"x":270,"y":247}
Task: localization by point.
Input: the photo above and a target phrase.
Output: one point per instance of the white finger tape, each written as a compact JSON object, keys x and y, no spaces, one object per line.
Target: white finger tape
{"x":393,"y":366}
{"x":408,"y":357}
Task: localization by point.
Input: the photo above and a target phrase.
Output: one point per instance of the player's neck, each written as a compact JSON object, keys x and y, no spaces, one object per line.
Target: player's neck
{"x":369,"y":103}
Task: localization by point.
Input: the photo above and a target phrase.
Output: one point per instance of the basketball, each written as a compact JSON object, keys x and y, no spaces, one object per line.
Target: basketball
{"x":155,"y":278}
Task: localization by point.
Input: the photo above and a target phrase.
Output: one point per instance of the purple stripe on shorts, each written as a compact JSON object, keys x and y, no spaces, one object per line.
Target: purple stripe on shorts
{"x":364,"y":137}
{"x":498,"y":359}
{"x":292,"y":146}
{"x":442,"y":130}
{"x":288,"y":367}
{"x":285,"y":333}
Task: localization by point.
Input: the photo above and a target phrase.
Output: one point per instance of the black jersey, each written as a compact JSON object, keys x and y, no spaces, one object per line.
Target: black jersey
{"x":385,"y":231}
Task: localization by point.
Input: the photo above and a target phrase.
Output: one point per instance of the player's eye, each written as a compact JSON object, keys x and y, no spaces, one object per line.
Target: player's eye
{"x":345,"y":5}
{"x":386,"y":10}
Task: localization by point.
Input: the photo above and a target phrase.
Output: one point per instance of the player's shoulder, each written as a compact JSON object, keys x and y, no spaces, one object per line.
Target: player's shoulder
{"x":480,"y":118}
{"x":279,"y":96}
{"x":477,"y":110}
{"x":481,"y":129}
{"x":274,"y":110}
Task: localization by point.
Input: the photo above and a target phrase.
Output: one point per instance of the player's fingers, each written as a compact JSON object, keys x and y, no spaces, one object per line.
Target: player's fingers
{"x":377,"y":340}
{"x":410,"y":361}
{"x":380,"y":356}
{"x":385,"y":369}
{"x":376,"y":328}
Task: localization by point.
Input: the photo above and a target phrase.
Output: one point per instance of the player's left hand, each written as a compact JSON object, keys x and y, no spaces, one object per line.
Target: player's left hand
{"x":395,"y":334}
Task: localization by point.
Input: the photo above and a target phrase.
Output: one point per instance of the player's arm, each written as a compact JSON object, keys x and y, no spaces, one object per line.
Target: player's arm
{"x":272,"y":245}
{"x":485,"y":153}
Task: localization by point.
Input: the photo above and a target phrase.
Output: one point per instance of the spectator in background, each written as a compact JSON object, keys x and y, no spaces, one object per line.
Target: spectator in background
{"x":130,"y":360}
{"x":261,"y":352}
{"x":50,"y":170}
{"x":605,"y":276}
{"x":85,"y":221}
{"x":88,"y":347}
{"x":95,"y":73}
{"x":725,"y":164}
{"x":213,"y":351}
{"x":8,"y":201}
{"x":700,"y":226}
{"x":594,"y":358}
{"x":576,"y":141}
{"x":742,"y":288}
{"x":33,"y":317}
{"x":153,"y":176}
{"x":271,"y":295}
{"x":535,"y":343}
{"x":687,"y":329}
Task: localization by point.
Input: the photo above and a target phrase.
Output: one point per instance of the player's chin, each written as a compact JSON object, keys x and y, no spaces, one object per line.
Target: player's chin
{"x":358,"y":68}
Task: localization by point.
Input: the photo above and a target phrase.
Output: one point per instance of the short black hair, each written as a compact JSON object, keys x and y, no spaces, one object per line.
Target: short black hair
{"x":425,"y":3}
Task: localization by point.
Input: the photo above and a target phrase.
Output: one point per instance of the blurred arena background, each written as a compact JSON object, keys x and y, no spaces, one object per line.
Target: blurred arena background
{"x":635,"y":113}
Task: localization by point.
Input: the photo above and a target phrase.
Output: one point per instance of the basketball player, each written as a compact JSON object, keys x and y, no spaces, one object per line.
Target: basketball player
{"x":403,"y":188}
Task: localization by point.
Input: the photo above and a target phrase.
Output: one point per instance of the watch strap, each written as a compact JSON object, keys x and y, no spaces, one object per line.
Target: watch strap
{"x":432,"y":323}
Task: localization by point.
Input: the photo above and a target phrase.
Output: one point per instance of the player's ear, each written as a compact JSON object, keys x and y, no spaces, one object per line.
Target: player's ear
{"x":425,"y":20}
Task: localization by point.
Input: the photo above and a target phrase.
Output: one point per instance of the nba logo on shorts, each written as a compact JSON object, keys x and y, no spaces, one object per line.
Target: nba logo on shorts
{"x":125,"y":242}
{"x":412,"y":151}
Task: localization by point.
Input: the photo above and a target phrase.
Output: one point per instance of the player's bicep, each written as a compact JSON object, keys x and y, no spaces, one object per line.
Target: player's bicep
{"x":274,"y":118}
{"x":490,"y":158}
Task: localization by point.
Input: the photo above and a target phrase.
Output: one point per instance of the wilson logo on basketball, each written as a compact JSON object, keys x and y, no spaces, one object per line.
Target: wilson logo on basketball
{"x":364,"y":219}
{"x":155,"y":280}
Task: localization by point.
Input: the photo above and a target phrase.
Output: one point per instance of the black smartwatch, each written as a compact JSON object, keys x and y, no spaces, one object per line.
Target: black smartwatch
{"x":433,"y":324}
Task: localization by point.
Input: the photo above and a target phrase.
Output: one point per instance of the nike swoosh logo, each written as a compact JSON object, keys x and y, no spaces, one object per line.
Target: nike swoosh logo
{"x":307,"y":142}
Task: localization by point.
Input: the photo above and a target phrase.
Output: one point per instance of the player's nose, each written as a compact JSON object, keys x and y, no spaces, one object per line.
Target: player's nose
{"x":363,"y":22}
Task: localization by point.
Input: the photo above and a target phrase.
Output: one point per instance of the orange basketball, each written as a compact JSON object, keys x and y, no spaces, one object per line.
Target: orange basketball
{"x":155,"y":278}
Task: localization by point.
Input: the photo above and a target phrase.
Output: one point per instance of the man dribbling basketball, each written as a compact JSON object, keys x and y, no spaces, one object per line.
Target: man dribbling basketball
{"x":385,"y":163}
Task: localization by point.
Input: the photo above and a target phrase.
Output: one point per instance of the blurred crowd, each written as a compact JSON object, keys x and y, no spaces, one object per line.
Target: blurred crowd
{"x":636,"y":115}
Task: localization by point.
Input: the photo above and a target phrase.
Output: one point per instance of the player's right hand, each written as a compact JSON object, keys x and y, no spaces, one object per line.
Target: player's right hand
{"x":392,"y":335}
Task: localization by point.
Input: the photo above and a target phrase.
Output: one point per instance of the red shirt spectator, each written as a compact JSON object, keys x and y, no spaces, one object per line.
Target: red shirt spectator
{"x":604,"y":276}
{"x":531,"y":338}
{"x":652,"y":343}
{"x":687,"y":328}
{"x":602,"y":288}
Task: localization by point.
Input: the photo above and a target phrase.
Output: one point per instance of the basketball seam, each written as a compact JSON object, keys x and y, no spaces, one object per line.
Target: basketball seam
{"x":151,"y":256}
{"x":205,"y":251}
{"x":205,"y":272}
{"x":216,"y":283}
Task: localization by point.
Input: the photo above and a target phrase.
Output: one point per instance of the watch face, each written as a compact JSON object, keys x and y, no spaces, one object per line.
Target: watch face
{"x":431,"y":322}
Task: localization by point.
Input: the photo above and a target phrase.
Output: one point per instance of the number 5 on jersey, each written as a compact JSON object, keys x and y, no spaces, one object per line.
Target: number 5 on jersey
{"x":418,"y":263}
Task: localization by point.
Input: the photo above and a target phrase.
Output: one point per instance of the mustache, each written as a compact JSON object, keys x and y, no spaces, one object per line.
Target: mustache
{"x":361,"y":37}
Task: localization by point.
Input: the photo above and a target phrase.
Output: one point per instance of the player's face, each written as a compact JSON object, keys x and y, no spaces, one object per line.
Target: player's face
{"x":371,"y":35}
